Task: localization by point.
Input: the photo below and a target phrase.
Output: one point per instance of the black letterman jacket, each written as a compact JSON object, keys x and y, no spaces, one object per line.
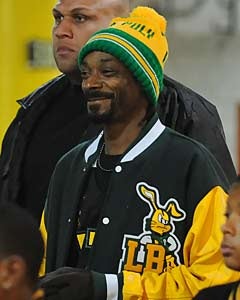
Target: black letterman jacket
{"x":163,"y":173}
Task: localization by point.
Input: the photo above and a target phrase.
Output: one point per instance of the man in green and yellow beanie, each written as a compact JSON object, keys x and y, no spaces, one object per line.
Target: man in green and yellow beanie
{"x":138,"y":41}
{"x":134,"y":213}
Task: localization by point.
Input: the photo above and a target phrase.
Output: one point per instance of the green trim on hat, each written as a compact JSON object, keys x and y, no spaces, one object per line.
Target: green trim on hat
{"x":137,"y":57}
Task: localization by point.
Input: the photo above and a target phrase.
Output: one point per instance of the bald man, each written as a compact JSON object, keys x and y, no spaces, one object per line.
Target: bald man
{"x":53,"y":119}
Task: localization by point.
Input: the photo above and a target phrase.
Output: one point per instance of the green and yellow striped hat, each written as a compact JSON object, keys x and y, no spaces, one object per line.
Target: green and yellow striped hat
{"x":139,"y":42}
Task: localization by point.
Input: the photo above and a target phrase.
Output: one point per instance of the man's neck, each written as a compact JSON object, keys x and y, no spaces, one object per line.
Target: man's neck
{"x":75,"y":78}
{"x":119,"y":137}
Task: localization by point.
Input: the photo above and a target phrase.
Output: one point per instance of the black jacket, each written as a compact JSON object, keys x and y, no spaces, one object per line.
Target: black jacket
{"x":219,"y":292}
{"x":53,"y":119}
{"x":155,"y":219}
{"x":182,"y":109}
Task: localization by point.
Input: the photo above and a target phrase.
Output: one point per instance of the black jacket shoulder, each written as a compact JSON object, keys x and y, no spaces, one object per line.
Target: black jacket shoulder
{"x":51,"y":87}
{"x":185,"y":111}
{"x":219,"y":292}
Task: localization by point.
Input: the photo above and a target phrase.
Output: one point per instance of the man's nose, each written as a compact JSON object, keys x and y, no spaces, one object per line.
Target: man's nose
{"x":93,"y":82}
{"x":227,"y":227}
{"x":63,"y":29}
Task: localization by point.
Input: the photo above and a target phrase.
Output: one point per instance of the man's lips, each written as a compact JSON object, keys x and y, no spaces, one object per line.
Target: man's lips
{"x":94,"y":96}
{"x":64,"y":50}
{"x":226,"y":249}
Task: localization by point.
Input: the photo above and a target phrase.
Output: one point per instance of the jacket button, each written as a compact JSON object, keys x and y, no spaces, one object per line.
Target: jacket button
{"x":106,"y":221}
{"x":69,"y":220}
{"x":118,"y":169}
{"x":84,"y":169}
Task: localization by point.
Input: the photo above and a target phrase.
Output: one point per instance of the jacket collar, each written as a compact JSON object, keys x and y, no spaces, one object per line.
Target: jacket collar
{"x":53,"y":85}
{"x":147,"y":137}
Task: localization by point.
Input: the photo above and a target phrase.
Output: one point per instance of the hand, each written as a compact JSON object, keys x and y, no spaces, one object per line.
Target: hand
{"x":67,"y":283}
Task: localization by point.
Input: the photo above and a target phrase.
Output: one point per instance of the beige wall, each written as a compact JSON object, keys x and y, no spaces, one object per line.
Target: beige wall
{"x":210,"y":65}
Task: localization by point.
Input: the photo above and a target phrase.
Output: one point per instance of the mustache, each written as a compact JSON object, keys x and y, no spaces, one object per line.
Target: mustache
{"x":96,"y":94}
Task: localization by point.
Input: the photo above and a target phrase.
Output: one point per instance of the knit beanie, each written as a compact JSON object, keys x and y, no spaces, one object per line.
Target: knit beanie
{"x":139,"y":42}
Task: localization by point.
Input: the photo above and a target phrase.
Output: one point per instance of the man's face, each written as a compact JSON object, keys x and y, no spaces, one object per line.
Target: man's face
{"x":13,"y":278}
{"x":231,"y":230}
{"x":75,"y":22}
{"x":113,"y":95}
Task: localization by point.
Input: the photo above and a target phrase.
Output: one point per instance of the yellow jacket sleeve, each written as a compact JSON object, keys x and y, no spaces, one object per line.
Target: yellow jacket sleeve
{"x":203,"y":263}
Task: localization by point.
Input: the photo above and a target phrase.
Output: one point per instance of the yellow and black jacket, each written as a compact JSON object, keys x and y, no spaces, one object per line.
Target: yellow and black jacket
{"x":159,"y":226}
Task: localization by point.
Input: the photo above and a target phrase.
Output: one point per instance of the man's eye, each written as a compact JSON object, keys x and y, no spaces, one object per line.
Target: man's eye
{"x":58,"y":19}
{"x":84,"y":74}
{"x":227,"y":214}
{"x":108,"y":72}
{"x":80,"y":18}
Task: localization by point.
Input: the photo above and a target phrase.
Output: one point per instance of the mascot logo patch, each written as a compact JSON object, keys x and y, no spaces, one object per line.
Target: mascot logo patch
{"x":156,"y":248}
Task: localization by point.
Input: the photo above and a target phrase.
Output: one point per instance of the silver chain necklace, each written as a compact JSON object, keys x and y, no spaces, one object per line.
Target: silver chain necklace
{"x":99,"y":162}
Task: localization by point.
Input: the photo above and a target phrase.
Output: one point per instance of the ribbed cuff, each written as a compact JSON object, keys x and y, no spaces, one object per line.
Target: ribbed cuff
{"x":99,"y":286}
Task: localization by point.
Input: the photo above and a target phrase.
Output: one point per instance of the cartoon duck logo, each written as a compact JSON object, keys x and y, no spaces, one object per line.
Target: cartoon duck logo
{"x":156,"y":249}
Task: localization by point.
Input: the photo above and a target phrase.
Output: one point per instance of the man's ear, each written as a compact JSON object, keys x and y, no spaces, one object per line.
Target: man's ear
{"x":12,"y":272}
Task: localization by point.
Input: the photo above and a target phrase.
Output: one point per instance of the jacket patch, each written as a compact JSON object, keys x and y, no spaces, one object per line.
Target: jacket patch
{"x":85,"y":239}
{"x":156,"y":248}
